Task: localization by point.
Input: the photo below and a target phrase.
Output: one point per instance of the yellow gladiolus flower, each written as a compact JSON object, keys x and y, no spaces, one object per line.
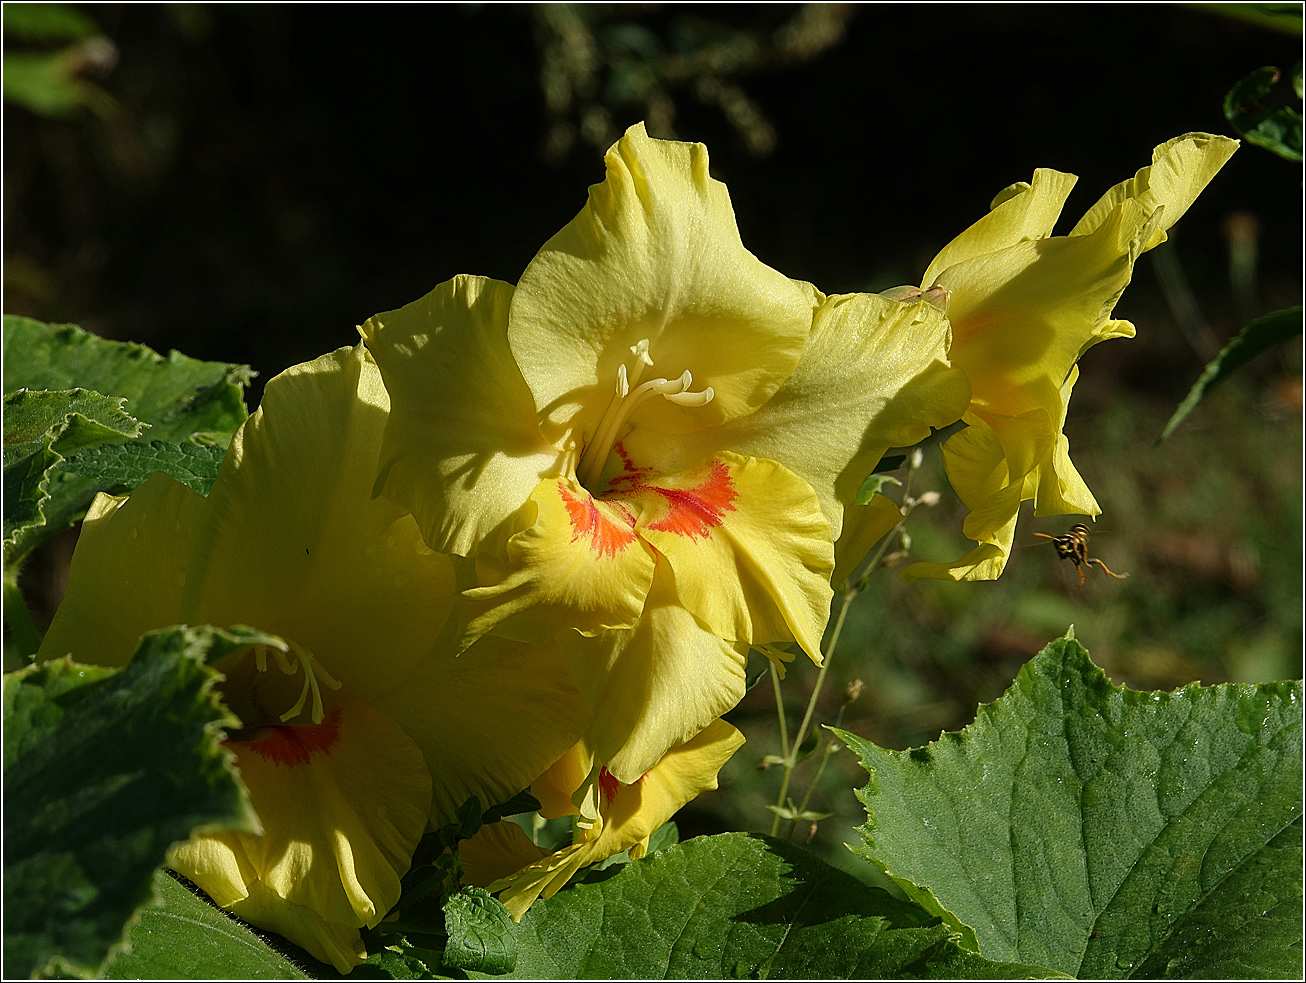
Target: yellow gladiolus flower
{"x":364,"y":731}
{"x":501,"y":858}
{"x":1024,"y":306}
{"x":645,"y":446}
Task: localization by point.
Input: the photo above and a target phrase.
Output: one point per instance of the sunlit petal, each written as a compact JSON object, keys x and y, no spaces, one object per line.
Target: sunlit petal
{"x":462,"y":449}
{"x":654,"y":256}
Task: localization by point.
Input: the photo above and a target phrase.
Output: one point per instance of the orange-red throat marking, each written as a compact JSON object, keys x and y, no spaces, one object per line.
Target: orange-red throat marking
{"x":606,"y":537}
{"x":696,"y":510}
{"x":289,"y":745}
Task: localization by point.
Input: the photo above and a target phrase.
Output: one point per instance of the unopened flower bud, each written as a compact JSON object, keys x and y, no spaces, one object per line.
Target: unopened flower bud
{"x":894,"y":558}
{"x":917,"y":456}
{"x":928,"y":498}
{"x":904,"y":294}
{"x":852,"y":691}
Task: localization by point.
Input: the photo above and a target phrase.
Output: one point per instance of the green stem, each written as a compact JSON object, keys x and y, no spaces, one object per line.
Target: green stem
{"x":784,"y":744}
{"x":791,"y":757}
{"x":820,"y":768}
{"x":780,"y":712}
{"x":21,"y":627}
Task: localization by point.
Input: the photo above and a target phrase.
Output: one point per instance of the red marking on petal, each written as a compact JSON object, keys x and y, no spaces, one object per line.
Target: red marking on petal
{"x":606,"y":538}
{"x":608,"y":784}
{"x":696,"y":510}
{"x":286,"y":744}
{"x":631,"y":476}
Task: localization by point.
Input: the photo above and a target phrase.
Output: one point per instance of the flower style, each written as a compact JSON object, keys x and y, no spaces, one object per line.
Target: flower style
{"x":643,"y":448}
{"x":1024,"y":307}
{"x":364,"y":731}
{"x":501,"y":858}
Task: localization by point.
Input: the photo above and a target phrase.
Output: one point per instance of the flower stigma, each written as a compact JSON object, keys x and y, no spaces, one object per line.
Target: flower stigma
{"x":625,"y":401}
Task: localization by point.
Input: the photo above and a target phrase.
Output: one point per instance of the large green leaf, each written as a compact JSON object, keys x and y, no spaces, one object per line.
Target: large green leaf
{"x":739,"y":906}
{"x":176,"y":395}
{"x":183,"y":937}
{"x":124,"y":466}
{"x":1103,"y":832}
{"x":185,"y":403}
{"x":40,"y":430}
{"x":103,"y":771}
{"x":1261,"y":335}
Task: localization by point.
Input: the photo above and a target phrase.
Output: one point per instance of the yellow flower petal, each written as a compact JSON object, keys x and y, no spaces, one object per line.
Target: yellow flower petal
{"x":127,"y":573}
{"x":863,"y":527}
{"x":342,"y":804}
{"x":988,"y":470}
{"x":874,"y":375}
{"x":578,"y":565}
{"x":489,"y":720}
{"x":496,"y":851}
{"x":748,"y":546}
{"x":1021,"y":316}
{"x":339,"y":945}
{"x":630,"y":813}
{"x":654,"y":256}
{"x":559,"y":782}
{"x":654,"y":686}
{"x":1181,"y":168}
{"x":1024,"y":212}
{"x":633,"y":811}
{"x":462,"y":449}
{"x":293,"y":543}
{"x":217,"y":863}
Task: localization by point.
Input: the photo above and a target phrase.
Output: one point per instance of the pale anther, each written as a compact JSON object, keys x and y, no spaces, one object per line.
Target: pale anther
{"x":692,"y":399}
{"x":590,"y":467}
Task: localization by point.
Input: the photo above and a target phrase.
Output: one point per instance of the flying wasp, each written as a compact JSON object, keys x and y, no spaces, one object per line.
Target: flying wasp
{"x":1073,"y":546}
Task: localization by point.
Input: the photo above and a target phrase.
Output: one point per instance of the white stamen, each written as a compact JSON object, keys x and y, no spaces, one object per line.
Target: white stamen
{"x":289,"y":663}
{"x":284,"y":662}
{"x":625,"y":402}
{"x":692,"y":399}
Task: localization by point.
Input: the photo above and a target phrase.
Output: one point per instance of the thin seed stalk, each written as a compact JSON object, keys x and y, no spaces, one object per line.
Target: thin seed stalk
{"x":790,"y":757}
{"x":855,"y":585}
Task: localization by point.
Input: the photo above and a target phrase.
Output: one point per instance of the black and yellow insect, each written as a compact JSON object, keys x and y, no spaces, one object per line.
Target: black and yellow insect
{"x":1073,"y":546}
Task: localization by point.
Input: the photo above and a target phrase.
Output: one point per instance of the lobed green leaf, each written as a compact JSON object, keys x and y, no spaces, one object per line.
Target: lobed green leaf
{"x":40,"y":430}
{"x":177,"y":396}
{"x":191,"y":408}
{"x":1100,"y":831}
{"x":739,"y":906}
{"x":104,"y":770}
{"x":124,"y":466}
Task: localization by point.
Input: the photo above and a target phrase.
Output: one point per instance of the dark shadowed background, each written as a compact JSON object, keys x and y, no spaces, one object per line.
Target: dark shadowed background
{"x":259,"y":180}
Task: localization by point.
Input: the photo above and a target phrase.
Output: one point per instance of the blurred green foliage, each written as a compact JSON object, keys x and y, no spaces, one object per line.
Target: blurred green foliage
{"x":52,"y":82}
{"x":1255,"y":108}
{"x":600,"y":64}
